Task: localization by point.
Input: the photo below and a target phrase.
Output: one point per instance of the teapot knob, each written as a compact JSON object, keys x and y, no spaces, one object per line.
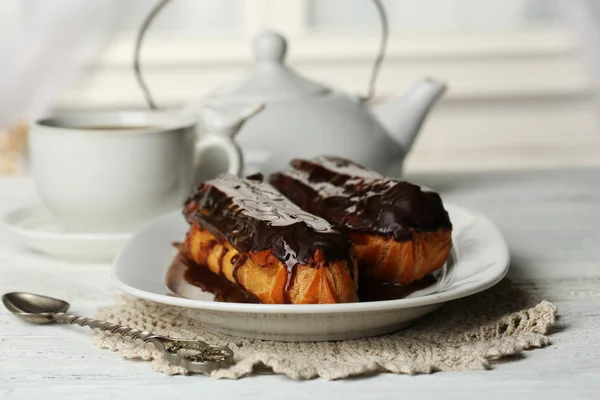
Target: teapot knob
{"x":270,"y":47}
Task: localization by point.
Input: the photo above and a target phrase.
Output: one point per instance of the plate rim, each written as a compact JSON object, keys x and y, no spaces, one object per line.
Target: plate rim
{"x":502,"y":263}
{"x":7,"y":221}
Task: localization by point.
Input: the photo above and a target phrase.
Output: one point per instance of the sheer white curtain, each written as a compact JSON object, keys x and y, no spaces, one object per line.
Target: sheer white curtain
{"x":45,"y":45}
{"x":584,"y":19}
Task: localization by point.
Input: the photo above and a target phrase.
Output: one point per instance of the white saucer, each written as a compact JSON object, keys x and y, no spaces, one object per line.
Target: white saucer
{"x":480,"y":259}
{"x":35,"y":228}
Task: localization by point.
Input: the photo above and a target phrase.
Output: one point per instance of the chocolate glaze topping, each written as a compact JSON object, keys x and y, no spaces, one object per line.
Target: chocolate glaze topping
{"x":253,"y":216}
{"x":355,"y":199}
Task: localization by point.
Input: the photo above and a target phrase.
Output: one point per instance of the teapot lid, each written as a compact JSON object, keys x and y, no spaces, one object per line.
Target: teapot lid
{"x":269,"y":80}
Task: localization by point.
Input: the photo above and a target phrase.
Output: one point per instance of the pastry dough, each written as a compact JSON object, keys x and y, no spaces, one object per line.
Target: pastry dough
{"x":247,"y":232}
{"x":400,"y":233}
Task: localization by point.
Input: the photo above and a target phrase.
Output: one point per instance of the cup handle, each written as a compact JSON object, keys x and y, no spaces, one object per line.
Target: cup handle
{"x":232,"y":151}
{"x":221,"y":132}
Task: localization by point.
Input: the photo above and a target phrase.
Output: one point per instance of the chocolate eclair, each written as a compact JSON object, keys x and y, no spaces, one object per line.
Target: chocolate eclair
{"x":247,"y":232}
{"x":399,"y":232}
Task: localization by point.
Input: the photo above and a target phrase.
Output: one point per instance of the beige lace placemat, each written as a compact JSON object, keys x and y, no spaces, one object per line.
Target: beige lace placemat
{"x":466,"y":334}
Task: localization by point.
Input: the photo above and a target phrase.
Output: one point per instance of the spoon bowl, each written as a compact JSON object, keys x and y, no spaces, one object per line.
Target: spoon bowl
{"x":34,"y":308}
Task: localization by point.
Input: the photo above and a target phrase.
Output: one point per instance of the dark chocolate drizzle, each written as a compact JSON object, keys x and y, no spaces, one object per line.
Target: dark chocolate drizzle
{"x":253,"y":216}
{"x":355,"y":199}
{"x":208,"y":281}
{"x":225,"y":291}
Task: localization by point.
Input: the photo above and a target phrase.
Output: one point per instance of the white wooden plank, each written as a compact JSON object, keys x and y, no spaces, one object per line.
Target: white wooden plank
{"x":550,"y":220}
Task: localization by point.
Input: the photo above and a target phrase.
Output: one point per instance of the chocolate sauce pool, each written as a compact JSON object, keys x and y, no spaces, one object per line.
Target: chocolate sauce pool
{"x":191,"y":280}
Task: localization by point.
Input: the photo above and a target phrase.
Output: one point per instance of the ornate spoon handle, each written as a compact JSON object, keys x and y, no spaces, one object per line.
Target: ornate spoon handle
{"x":194,"y":355}
{"x":92,"y":323}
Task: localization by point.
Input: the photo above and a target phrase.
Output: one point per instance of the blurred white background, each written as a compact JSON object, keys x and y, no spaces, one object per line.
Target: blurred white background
{"x":519,"y":92}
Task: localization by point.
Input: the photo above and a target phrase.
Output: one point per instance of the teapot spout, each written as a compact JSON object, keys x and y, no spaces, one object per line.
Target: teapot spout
{"x":402,"y":117}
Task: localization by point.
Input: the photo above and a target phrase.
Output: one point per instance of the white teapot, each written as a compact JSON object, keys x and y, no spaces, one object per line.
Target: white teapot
{"x":302,"y":118}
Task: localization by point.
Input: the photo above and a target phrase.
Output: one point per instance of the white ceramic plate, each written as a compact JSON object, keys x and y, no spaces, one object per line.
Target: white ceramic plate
{"x":35,"y":228}
{"x":480,"y":259}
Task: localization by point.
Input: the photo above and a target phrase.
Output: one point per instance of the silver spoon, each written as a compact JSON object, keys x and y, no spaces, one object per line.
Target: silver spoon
{"x":193,"y":355}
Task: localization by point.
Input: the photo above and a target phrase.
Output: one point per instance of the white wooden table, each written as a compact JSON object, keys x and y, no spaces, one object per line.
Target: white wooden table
{"x":551,"y":220}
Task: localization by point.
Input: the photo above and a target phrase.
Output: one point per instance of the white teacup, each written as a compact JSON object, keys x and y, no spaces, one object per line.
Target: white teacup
{"x":113,"y":171}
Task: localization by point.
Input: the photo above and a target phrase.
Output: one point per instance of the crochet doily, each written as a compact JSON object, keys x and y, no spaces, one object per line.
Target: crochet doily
{"x":466,"y":334}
